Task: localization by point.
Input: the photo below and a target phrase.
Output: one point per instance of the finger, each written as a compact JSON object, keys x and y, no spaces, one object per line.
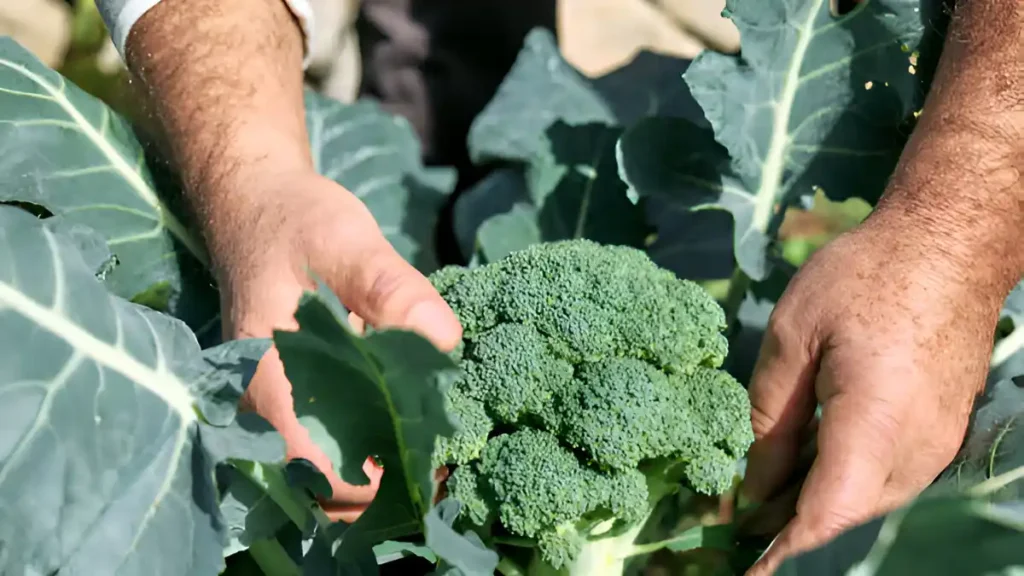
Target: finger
{"x":383,"y":289}
{"x":270,"y":394}
{"x":922,"y":459}
{"x":856,"y":453}
{"x":356,"y":323}
{"x":771,"y":516}
{"x":782,"y":403}
{"x":348,"y":501}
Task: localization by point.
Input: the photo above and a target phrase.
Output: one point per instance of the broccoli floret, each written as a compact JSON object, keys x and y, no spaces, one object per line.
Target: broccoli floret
{"x":625,"y":411}
{"x":592,"y":302}
{"x":478,"y":503}
{"x":515,"y":371}
{"x":473,"y":425}
{"x":539,"y":489}
{"x":591,"y":387}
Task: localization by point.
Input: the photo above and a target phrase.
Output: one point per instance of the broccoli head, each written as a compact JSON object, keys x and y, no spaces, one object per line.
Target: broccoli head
{"x":590,"y":385}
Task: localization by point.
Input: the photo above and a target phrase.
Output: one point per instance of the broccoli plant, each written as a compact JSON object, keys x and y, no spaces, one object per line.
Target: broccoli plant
{"x":590,"y":389}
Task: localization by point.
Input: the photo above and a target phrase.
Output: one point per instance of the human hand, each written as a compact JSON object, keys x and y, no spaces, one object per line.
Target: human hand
{"x":891,"y":332}
{"x":306,"y":223}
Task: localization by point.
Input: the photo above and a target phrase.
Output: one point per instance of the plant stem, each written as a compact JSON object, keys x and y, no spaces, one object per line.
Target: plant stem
{"x":272,"y":558}
{"x":717,"y":537}
{"x":507,"y":567}
{"x":274,"y":484}
{"x":1008,"y":346}
{"x":739,"y":283}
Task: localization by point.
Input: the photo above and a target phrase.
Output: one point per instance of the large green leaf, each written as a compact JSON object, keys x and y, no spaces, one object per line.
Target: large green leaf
{"x":380,"y":395}
{"x":940,"y":535}
{"x":812,"y":101}
{"x":540,"y":89}
{"x":550,"y":122}
{"x":257,"y":501}
{"x":376,"y":156}
{"x":113,"y":421}
{"x":66,"y":151}
{"x":659,"y":157}
{"x":994,"y":443}
{"x":461,"y":554}
{"x":488,"y":199}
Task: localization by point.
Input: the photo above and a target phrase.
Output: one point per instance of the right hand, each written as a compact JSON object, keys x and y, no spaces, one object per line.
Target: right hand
{"x":305,"y":224}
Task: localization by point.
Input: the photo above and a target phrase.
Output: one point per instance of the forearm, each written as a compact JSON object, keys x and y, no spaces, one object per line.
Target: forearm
{"x":960,"y":178}
{"x":224,"y":80}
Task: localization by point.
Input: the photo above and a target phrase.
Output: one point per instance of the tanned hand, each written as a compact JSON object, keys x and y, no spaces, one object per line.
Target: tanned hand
{"x":890,"y":327}
{"x":224,"y":80}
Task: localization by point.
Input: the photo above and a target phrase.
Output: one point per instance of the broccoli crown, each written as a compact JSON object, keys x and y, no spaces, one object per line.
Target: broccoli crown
{"x":581,"y":363}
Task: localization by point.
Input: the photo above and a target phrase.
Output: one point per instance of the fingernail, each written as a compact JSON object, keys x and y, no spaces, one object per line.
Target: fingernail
{"x":436,"y":322}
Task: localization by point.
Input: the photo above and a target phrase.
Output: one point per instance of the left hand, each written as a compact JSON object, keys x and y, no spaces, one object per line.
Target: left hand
{"x":887,"y":330}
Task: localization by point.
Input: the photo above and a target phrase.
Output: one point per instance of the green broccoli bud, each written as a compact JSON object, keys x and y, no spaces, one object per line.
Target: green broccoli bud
{"x":591,"y":386}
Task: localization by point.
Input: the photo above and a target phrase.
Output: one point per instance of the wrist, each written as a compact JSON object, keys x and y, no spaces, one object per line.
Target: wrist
{"x":953,"y":202}
{"x":246,"y":214}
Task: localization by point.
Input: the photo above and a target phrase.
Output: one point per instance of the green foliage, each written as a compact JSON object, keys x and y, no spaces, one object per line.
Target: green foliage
{"x":114,"y":420}
{"x":811,"y":101}
{"x":942,"y":535}
{"x":383,"y":398}
{"x":566,"y":182}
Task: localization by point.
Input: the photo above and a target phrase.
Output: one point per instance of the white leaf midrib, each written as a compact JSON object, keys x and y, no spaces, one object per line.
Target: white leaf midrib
{"x":118,"y":162}
{"x":775,"y":159}
{"x":159,"y":381}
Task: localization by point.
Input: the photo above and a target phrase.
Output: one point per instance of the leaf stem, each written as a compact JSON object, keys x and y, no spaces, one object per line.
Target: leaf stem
{"x":717,"y":537}
{"x":993,"y":484}
{"x":272,"y":558}
{"x":507,"y":567}
{"x":739,"y":283}
{"x":1007,"y":347}
{"x":275,"y":486}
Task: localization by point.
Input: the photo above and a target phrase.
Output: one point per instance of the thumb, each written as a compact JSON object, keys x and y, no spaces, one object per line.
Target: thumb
{"x":782,"y":405}
{"x":380,"y":287}
{"x":856,"y":448}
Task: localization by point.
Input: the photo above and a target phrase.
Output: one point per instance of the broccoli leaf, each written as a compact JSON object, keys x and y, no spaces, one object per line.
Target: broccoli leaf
{"x":812,"y":101}
{"x":466,"y":554}
{"x":548,"y":120}
{"x":994,"y":443}
{"x":380,"y":396}
{"x":490,"y":199}
{"x":67,"y":152}
{"x":540,"y":89}
{"x":658,"y":157}
{"x":509,"y":232}
{"x":114,"y":420}
{"x":257,"y":501}
{"x":376,"y":156}
{"x":941,"y":535}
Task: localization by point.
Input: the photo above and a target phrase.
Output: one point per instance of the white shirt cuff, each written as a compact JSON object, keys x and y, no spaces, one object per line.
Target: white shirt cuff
{"x":121,"y":15}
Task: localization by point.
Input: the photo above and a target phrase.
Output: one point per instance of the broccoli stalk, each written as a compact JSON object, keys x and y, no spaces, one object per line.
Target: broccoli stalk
{"x":598,"y":557}
{"x":591,"y":388}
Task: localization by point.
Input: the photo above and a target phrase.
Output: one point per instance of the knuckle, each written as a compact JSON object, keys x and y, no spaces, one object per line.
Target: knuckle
{"x":790,"y":333}
{"x":819,"y":524}
{"x":885,"y":425}
{"x":833,"y":521}
{"x":762,"y":422}
{"x":385,"y":287}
